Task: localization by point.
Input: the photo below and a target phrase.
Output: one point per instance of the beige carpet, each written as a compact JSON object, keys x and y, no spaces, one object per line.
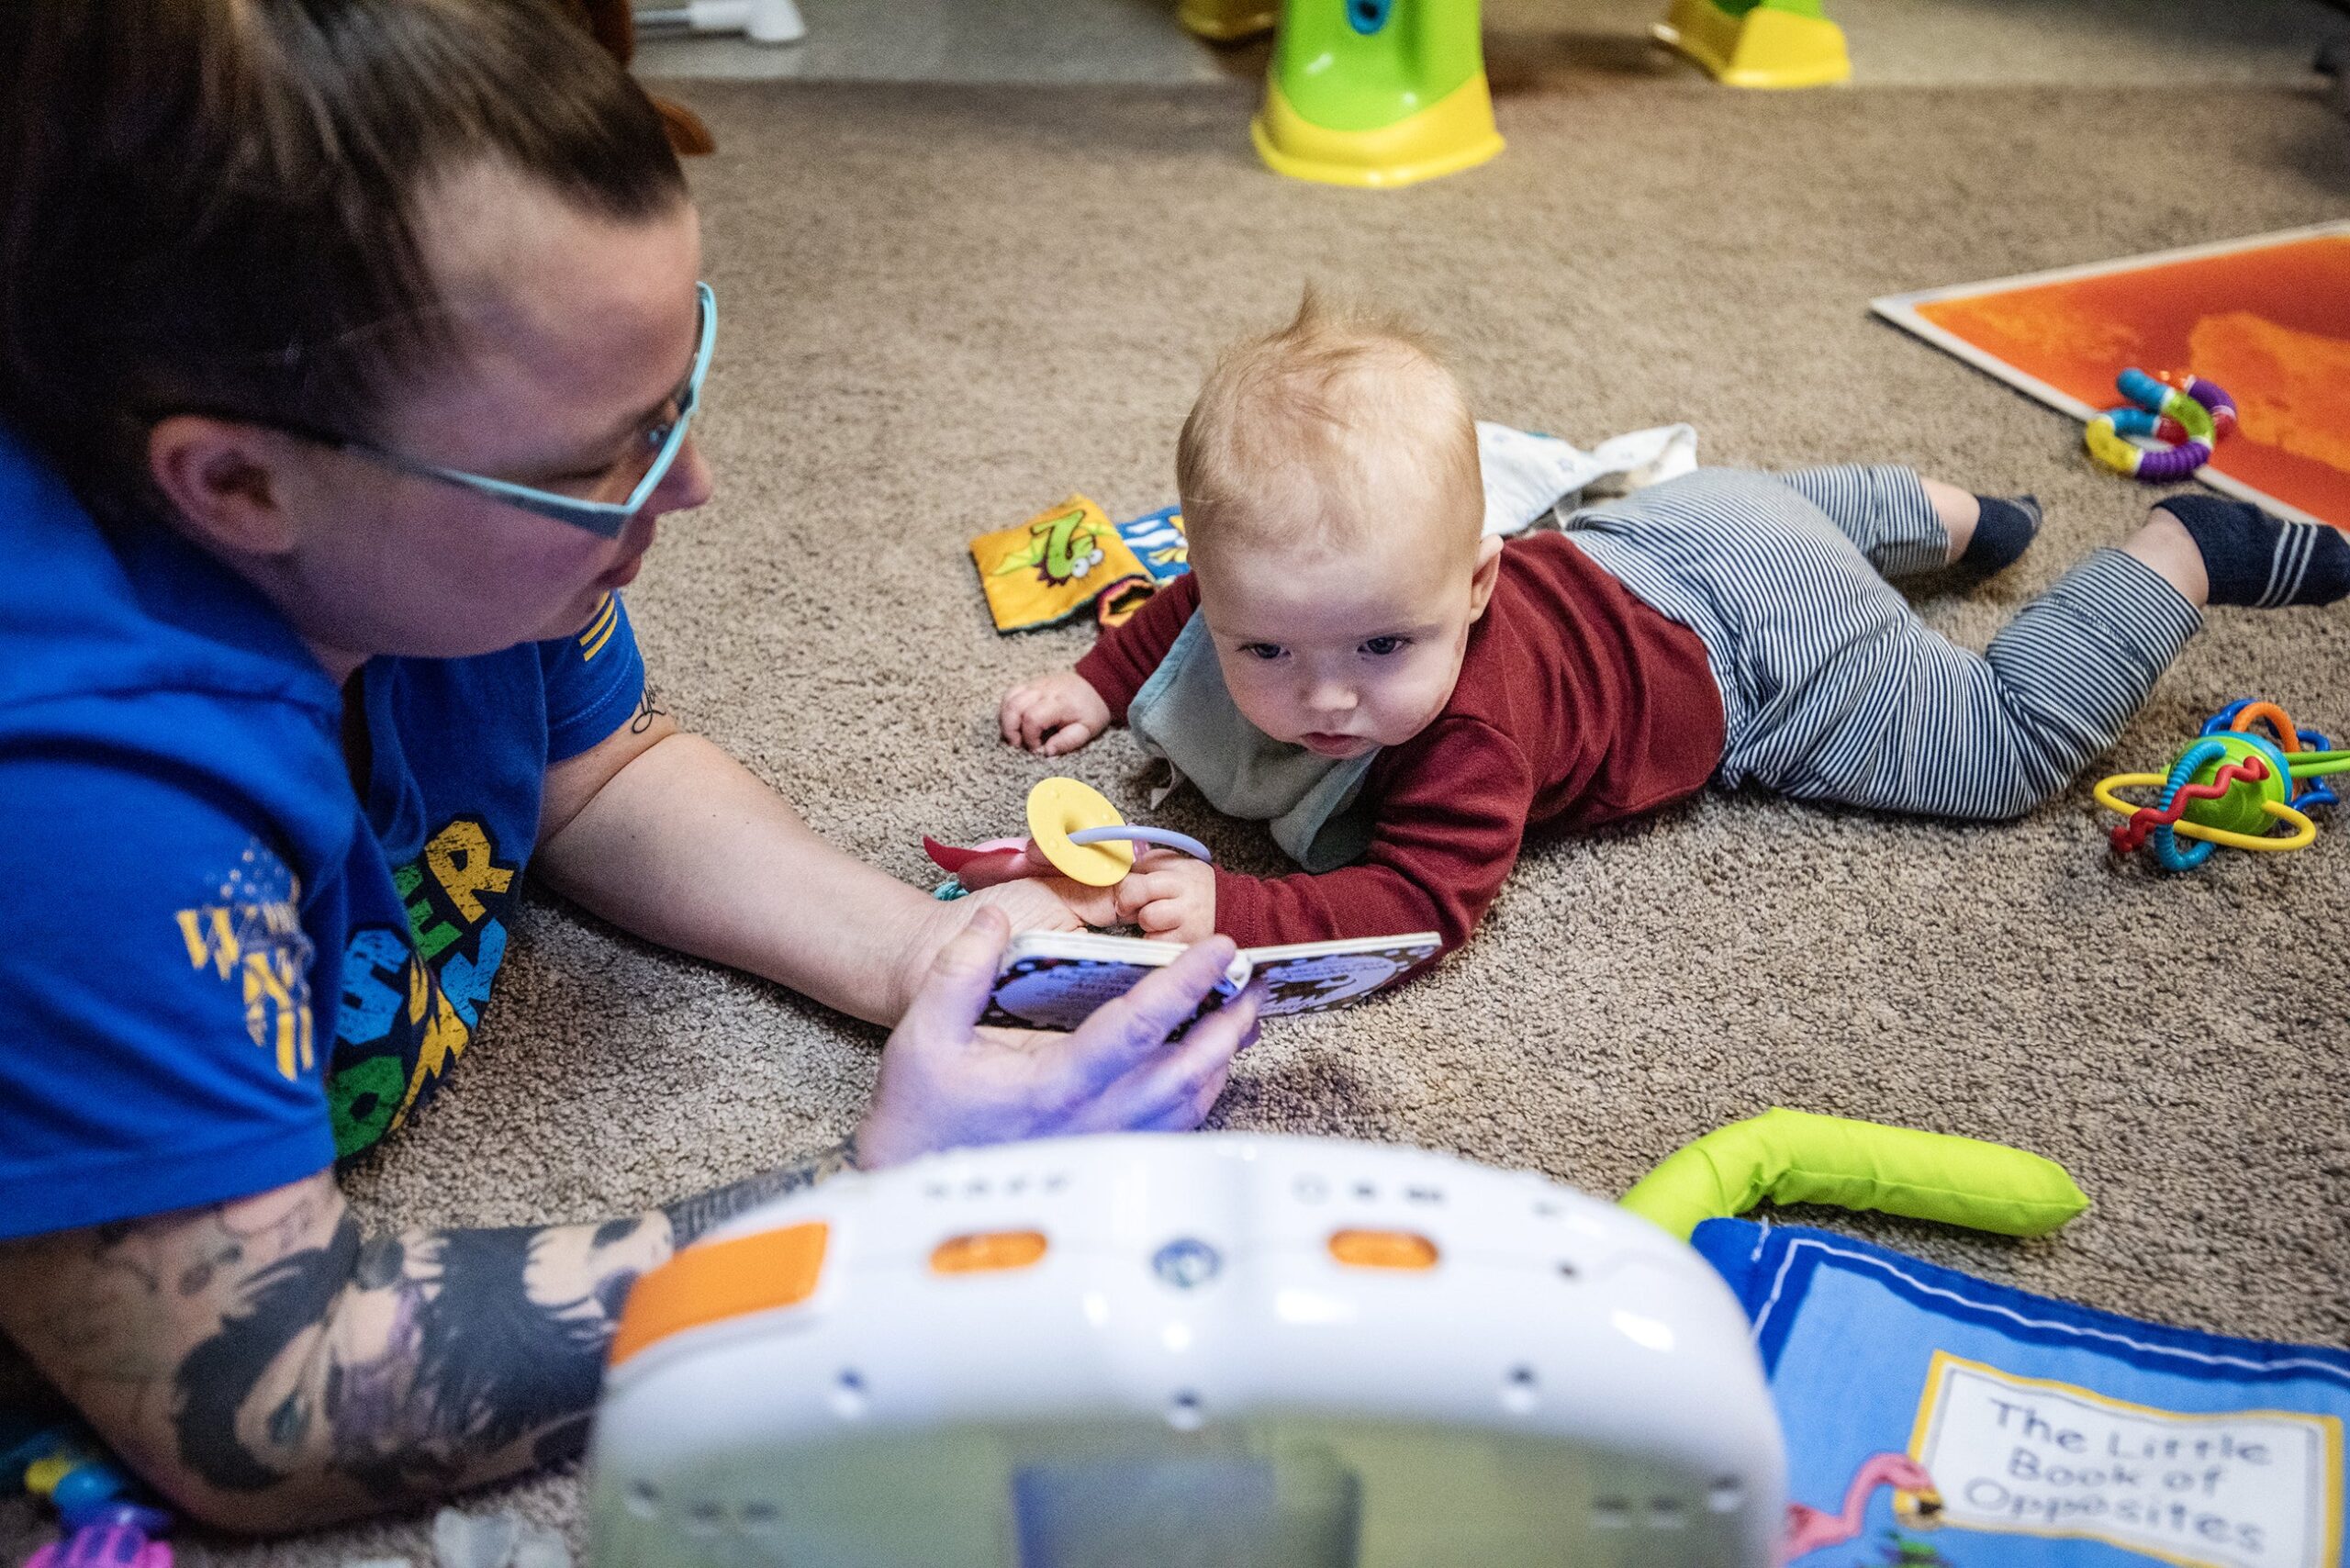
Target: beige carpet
{"x":944,"y":309}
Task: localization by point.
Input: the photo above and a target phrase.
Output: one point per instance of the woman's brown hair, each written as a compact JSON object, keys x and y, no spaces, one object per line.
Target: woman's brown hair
{"x":211,"y":204}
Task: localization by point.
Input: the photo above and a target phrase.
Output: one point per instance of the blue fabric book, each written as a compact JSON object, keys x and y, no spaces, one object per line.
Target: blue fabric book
{"x":1935,"y":1418}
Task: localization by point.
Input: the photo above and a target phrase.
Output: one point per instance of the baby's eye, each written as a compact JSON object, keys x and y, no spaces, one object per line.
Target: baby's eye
{"x":1380,"y":648}
{"x":1261,"y":650}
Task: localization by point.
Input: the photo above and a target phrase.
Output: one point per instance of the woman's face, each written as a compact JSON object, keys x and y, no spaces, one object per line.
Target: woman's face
{"x":576,"y":331}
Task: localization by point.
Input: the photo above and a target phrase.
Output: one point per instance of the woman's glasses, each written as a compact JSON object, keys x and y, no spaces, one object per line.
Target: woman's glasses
{"x":604,"y":519}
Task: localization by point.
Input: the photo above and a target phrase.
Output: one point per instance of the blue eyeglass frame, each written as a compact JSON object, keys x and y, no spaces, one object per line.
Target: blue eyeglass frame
{"x":606,"y":520}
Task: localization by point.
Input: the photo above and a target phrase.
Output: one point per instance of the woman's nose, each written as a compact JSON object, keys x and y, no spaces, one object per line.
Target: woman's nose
{"x":686,"y":486}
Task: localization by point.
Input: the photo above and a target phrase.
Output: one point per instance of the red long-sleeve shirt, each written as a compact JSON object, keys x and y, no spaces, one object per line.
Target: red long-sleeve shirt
{"x":1577,"y":705}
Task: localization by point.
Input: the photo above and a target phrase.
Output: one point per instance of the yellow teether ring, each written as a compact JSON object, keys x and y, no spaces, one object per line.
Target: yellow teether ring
{"x":1058,"y":807}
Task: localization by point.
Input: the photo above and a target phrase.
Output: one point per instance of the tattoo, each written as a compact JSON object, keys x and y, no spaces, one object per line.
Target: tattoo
{"x":689,"y":1217}
{"x":648,"y":707}
{"x":281,"y":1355}
{"x":287,"y":1300}
{"x":496,"y":1364}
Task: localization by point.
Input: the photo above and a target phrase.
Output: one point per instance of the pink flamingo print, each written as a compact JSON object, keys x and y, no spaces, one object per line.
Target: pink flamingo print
{"x":1808,"y":1529}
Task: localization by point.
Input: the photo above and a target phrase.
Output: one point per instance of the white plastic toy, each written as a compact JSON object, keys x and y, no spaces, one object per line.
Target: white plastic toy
{"x":1221,"y":1349}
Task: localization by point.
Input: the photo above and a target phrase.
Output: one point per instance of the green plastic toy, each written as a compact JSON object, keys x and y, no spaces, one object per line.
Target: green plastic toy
{"x":1377,"y":92}
{"x":1794,"y":1157}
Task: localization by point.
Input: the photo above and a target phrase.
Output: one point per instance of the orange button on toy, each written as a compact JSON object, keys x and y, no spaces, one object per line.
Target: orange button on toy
{"x":987,"y":1252}
{"x":1383,"y":1249}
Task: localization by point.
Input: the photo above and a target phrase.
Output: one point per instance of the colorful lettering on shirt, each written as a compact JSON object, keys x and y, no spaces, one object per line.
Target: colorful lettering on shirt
{"x":254,"y":936}
{"x":411,"y":999}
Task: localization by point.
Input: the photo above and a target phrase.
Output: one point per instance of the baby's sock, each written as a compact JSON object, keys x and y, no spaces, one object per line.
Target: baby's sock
{"x":2004,"y":529}
{"x":2262,"y":561}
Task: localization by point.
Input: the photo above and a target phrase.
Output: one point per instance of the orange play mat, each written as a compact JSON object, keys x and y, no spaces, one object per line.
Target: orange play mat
{"x":2267,"y":318}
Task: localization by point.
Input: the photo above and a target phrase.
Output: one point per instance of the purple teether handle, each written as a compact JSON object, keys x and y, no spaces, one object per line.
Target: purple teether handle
{"x":1164,"y":838}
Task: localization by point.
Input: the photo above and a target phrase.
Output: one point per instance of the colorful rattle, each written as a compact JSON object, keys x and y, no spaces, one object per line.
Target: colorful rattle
{"x":2228,"y":788}
{"x":1072,"y":829}
{"x":2186,"y":411}
{"x":106,"y":1525}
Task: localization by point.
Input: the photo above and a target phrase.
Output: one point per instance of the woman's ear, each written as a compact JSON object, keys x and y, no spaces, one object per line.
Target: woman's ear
{"x":225,"y":481}
{"x":1489,"y":571}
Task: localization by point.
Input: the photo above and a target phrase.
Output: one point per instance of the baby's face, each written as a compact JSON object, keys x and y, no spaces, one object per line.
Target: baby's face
{"x":1341,"y":651}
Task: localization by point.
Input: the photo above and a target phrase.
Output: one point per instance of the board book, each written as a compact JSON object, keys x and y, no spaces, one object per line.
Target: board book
{"x":1052,"y":980}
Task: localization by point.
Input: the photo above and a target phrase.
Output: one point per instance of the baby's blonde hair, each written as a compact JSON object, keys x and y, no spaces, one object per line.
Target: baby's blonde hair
{"x":1326,"y":434}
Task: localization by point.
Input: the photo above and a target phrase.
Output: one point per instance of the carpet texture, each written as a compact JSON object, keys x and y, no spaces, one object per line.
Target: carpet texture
{"x":946,"y":308}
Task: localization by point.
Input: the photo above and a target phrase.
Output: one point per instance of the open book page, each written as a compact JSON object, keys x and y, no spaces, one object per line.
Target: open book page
{"x":1055,"y":981}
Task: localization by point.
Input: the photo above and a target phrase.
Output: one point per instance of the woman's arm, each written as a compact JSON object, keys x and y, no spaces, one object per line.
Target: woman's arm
{"x":270,"y":1366}
{"x":663,"y":834}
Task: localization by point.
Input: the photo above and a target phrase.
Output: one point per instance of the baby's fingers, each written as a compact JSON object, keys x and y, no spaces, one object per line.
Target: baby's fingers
{"x":1036,"y":719}
{"x":1160,"y":916}
{"x":1068,"y":738}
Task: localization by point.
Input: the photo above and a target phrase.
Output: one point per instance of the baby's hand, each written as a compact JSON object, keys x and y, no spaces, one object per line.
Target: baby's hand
{"x":1053,"y":714}
{"x":1170,"y":895}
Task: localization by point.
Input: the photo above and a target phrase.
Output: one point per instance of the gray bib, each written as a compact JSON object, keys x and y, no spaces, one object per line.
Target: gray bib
{"x":1184,"y":714}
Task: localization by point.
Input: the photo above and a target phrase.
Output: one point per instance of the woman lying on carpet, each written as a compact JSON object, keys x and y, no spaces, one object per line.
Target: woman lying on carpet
{"x":290,"y":694}
{"x":1399,"y":696}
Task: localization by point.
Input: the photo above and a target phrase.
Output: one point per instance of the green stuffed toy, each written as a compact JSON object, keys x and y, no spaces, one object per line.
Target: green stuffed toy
{"x":1794,"y":1157}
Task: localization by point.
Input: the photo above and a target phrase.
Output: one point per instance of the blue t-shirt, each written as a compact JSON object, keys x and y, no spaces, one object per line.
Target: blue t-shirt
{"x":224,"y":967}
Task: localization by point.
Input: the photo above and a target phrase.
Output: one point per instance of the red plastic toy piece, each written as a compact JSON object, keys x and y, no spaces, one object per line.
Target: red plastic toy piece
{"x":2135,"y":832}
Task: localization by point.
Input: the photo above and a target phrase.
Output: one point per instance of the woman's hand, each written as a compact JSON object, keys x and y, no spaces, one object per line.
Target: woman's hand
{"x":1053,"y":714}
{"x":946,"y":1083}
{"x":1047,"y":902}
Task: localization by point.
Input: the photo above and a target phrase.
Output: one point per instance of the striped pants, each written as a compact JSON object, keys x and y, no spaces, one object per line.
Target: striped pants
{"x":1834,"y":689}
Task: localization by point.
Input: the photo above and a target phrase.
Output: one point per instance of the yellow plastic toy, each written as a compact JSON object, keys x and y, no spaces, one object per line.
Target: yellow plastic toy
{"x":1058,"y":810}
{"x":1227,"y":21}
{"x":1759,"y":44}
{"x":1072,"y":829}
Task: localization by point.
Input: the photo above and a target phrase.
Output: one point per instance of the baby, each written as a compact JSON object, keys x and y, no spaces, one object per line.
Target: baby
{"x":1398,"y":695}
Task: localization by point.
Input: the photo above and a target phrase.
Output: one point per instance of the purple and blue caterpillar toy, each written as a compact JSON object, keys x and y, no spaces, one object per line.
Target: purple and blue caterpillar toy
{"x":2187,"y":411}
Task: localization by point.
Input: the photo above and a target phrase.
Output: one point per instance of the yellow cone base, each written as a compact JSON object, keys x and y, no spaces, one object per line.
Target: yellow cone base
{"x":1762,"y":48}
{"x":1228,"y":21}
{"x":1456,"y":132}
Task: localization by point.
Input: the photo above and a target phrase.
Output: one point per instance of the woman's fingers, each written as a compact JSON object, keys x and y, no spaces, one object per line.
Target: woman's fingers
{"x":1185,"y":1116}
{"x":1124,"y":1033}
{"x":954,"y":992}
{"x":1176,"y":1089}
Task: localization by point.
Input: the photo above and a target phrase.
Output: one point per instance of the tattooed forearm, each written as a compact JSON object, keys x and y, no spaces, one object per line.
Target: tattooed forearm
{"x":689,"y":1217}
{"x":404,"y":1366}
{"x":272,"y":1366}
